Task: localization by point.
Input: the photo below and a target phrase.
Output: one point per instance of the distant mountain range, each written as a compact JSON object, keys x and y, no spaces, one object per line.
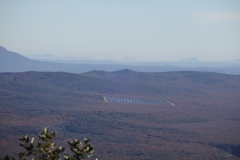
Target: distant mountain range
{"x":14,"y":62}
{"x":188,"y":62}
{"x":50,"y":57}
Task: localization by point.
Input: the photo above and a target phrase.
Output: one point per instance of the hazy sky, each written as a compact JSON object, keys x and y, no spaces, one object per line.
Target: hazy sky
{"x":113,"y":29}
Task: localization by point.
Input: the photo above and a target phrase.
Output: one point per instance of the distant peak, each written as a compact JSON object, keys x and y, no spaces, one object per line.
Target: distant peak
{"x":190,"y":60}
{"x":2,"y":48}
{"x":124,"y":71}
{"x":129,"y":59}
{"x":47,"y":54}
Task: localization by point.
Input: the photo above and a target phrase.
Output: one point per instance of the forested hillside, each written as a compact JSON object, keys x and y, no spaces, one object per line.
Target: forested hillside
{"x":204,"y":123}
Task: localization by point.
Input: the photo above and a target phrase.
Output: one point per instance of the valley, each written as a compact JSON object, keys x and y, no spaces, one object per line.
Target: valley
{"x":204,"y":123}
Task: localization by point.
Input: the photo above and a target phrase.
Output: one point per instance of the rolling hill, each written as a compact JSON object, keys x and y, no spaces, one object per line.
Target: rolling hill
{"x":204,"y":123}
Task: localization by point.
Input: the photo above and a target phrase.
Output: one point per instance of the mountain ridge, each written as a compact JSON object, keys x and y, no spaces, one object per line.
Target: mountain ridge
{"x":14,"y":62}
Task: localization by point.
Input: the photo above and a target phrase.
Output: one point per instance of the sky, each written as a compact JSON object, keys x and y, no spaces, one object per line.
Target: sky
{"x":153,"y":30}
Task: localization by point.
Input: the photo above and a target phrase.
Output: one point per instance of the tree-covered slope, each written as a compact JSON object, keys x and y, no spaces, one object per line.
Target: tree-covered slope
{"x":202,"y":125}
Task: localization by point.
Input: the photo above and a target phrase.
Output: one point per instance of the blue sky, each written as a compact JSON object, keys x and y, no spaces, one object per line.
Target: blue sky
{"x":110,"y":29}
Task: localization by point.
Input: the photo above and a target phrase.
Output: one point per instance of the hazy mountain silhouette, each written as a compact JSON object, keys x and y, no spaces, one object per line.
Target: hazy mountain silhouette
{"x":45,"y":56}
{"x":190,"y":60}
{"x":14,"y":62}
